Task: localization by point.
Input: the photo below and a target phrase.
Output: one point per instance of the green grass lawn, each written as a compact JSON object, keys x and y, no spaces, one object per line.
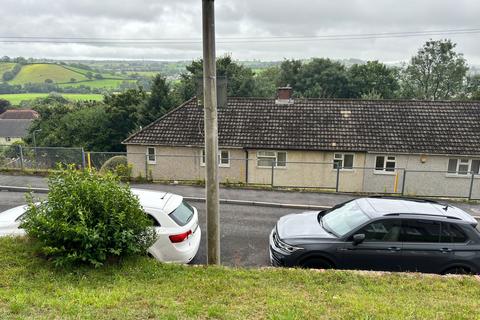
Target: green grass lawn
{"x":144,"y":288}
{"x":15,"y":99}
{"x":39,"y":72}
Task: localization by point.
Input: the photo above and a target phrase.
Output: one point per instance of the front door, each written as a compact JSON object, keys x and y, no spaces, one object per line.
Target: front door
{"x":381,"y":249}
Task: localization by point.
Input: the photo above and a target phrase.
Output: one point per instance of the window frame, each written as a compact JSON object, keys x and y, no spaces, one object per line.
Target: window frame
{"x":220,"y":164}
{"x":405,"y":222}
{"x":149,"y":161}
{"x":342,"y":159}
{"x":459,"y":162}
{"x":381,"y":220}
{"x":221,"y":158}
{"x":8,"y":139}
{"x":274,"y":157}
{"x":384,"y":170}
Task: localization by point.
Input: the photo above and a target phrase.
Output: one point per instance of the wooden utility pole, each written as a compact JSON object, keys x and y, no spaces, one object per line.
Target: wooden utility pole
{"x":211,"y":132}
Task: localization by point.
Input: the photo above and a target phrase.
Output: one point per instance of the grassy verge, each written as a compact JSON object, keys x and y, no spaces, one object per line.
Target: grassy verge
{"x":144,"y":288}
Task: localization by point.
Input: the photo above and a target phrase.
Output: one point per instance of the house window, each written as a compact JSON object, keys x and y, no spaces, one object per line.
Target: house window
{"x":151,"y":155}
{"x":267,"y":158}
{"x":385,"y":163}
{"x":223,"y":158}
{"x":343,"y":161}
{"x":463,"y":166}
{"x":8,"y":139}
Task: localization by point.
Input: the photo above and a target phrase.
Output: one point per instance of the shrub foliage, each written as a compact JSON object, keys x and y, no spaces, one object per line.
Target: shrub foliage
{"x":88,"y":218}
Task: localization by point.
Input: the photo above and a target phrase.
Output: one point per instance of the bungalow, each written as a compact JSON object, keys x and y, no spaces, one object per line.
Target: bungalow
{"x":14,"y":125}
{"x":412,"y":147}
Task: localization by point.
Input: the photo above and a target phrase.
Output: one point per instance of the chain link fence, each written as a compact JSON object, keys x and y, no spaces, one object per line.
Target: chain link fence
{"x":321,"y":176}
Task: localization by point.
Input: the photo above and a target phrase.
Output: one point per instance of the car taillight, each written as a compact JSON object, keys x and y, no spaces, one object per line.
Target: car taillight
{"x":176,"y":238}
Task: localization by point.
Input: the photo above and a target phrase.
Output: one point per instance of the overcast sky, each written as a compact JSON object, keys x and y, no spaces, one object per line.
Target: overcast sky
{"x":158,"y":19}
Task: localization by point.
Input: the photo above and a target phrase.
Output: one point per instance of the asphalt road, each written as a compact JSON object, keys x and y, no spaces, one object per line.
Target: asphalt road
{"x":244,"y":230}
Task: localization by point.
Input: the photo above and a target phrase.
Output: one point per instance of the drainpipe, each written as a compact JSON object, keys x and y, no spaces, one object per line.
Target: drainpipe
{"x":246,"y":166}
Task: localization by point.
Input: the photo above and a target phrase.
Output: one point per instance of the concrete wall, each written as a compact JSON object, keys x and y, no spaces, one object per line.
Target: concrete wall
{"x":307,"y":169}
{"x":182,"y":163}
{"x":312,"y":169}
{"x":303,"y":169}
{"x":426,"y":176}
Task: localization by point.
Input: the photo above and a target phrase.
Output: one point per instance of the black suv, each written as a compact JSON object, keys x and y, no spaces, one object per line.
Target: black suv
{"x":380,"y":233}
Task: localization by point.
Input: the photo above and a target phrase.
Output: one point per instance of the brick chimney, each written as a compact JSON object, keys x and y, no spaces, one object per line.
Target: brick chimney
{"x":284,"y":95}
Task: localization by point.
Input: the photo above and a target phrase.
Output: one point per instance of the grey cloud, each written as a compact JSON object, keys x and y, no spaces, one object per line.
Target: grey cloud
{"x":247,"y":18}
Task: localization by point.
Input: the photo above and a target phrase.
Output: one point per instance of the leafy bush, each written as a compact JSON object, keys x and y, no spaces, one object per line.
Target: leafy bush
{"x":117,"y":165}
{"x":88,"y":218}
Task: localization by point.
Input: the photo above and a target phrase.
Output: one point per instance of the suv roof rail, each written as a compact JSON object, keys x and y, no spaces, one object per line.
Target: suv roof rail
{"x":404,"y":198}
{"x":423,"y":214}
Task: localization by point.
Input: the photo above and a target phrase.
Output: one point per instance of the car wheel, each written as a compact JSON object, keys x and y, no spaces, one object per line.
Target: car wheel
{"x":458,"y":270}
{"x":317,"y":263}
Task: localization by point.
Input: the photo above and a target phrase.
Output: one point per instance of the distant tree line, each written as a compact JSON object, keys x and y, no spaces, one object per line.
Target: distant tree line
{"x":435,"y":72}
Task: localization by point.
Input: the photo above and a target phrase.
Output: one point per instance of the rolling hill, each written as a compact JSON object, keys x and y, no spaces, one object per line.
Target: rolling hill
{"x":63,"y":75}
{"x":39,"y":72}
{"x":5,"y":66}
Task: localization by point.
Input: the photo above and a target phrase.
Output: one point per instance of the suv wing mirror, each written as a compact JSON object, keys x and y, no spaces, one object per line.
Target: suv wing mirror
{"x":358,"y":238}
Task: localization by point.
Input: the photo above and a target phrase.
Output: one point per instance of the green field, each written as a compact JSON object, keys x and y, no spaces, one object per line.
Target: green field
{"x":32,"y":288}
{"x":15,"y":99}
{"x":4,"y":67}
{"x":39,"y":72}
{"x":98,"y":84}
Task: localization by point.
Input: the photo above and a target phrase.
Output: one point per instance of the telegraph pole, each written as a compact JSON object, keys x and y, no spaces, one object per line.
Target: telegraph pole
{"x":211,"y":132}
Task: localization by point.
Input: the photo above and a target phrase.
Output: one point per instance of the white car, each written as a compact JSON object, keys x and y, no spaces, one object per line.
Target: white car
{"x":175,"y":221}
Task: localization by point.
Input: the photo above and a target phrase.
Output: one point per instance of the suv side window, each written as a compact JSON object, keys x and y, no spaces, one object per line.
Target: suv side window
{"x":420,"y":231}
{"x":453,"y":233}
{"x":382,"y":230}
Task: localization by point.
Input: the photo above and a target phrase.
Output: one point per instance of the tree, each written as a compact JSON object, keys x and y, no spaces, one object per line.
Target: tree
{"x":240,"y":79}
{"x":122,"y":110}
{"x":374,"y":79}
{"x":472,"y":87}
{"x":266,"y":82}
{"x":319,"y":78}
{"x":95,"y":126}
{"x":4,"y":105}
{"x":159,"y":102}
{"x":435,"y":72}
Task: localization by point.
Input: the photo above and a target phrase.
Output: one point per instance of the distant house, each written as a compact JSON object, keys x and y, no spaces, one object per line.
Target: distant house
{"x":367,"y":144}
{"x":14,"y":125}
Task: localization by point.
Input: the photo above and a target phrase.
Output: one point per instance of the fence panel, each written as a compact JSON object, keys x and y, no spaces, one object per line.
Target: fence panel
{"x":233,"y":169}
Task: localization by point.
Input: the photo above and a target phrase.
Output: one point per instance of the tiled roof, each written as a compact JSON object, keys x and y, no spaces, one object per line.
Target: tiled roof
{"x":438,"y":127}
{"x":14,"y":128}
{"x":19,"y":114}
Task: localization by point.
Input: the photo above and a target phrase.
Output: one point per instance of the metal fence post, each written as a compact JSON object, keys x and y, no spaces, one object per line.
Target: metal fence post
{"x":21,"y":156}
{"x":273,"y":171}
{"x":338,"y":178}
{"x":403,"y":181}
{"x":471,"y":186}
{"x":83,"y":159}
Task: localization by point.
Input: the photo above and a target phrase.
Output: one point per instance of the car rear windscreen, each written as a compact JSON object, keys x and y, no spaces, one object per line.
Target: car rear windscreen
{"x":183,"y":214}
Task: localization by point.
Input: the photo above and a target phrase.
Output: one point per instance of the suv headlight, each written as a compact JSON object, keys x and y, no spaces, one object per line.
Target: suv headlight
{"x":282,"y":245}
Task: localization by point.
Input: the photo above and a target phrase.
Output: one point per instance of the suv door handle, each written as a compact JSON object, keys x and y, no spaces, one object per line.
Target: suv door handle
{"x":394,"y":249}
{"x":445,"y":250}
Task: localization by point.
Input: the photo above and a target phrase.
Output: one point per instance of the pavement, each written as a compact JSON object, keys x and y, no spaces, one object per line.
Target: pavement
{"x":276,"y":197}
